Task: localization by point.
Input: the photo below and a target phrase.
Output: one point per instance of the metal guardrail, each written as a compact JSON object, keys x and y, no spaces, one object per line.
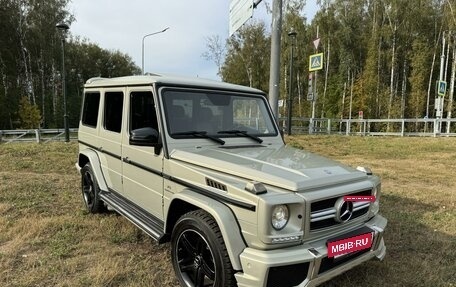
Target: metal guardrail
{"x":362,"y":127}
{"x":374,"y":127}
{"x":37,"y":135}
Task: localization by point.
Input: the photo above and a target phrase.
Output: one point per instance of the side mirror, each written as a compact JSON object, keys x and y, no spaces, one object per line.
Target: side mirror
{"x":145,"y":137}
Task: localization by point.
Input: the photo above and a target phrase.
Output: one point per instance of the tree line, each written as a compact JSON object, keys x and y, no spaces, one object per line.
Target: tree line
{"x":31,"y":64}
{"x":381,"y":57}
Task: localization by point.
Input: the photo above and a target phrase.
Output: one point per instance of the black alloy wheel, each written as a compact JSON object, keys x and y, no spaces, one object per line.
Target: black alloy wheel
{"x":90,"y":190}
{"x":198,"y":252}
{"x":196,"y":262}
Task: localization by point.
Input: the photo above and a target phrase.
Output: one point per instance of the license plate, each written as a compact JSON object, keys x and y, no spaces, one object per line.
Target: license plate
{"x":348,"y":245}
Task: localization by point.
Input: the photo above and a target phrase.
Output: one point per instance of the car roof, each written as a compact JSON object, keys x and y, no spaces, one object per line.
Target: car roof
{"x":165,"y":79}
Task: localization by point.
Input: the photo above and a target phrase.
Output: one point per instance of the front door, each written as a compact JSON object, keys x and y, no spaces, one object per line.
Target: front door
{"x":142,"y":168}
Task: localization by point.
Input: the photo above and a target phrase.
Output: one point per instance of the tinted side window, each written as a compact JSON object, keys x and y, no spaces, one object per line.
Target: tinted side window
{"x":113,"y":111}
{"x":90,"y":109}
{"x":142,"y":111}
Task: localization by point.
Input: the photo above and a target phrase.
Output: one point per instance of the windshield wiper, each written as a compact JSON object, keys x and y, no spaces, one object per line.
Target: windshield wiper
{"x":201,"y":134}
{"x":241,"y":133}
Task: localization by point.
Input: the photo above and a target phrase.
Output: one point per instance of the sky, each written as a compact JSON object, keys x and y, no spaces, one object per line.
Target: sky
{"x":114,"y":25}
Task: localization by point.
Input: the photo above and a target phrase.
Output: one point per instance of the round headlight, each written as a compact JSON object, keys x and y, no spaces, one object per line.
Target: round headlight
{"x":279,"y":216}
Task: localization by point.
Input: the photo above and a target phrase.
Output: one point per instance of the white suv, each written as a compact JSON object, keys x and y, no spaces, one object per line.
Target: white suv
{"x":202,"y":164}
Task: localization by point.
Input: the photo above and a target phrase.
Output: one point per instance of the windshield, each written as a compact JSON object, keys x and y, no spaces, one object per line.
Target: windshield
{"x":221,"y":115}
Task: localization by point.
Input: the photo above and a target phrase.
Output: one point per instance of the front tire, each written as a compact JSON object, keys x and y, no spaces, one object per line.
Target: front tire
{"x":199,"y":253}
{"x":91,"y":191}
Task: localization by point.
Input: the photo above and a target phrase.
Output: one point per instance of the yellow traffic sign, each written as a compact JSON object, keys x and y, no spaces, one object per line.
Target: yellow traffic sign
{"x":316,"y":62}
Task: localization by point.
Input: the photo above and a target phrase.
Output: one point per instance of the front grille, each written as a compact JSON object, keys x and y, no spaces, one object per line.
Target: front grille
{"x":323,"y":212}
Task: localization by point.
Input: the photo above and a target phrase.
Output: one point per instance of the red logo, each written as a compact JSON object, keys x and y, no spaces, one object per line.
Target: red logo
{"x":348,"y":245}
{"x":369,"y":198}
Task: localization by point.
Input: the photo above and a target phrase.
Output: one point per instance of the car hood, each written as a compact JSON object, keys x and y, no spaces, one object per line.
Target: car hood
{"x":284,"y":167}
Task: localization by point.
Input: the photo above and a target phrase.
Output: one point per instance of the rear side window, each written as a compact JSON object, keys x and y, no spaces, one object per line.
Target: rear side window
{"x":90,"y":109}
{"x":113,"y":111}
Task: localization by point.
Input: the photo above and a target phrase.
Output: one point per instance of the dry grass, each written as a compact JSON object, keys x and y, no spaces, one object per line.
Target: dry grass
{"x":47,"y":239}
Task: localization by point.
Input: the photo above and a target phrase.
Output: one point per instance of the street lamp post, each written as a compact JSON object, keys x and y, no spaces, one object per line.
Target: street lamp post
{"x":292,"y":34}
{"x":64,"y":28}
{"x":142,"y":51}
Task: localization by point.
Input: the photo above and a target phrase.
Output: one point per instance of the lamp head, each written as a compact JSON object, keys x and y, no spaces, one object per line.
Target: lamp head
{"x":62,"y":26}
{"x":292,"y":33}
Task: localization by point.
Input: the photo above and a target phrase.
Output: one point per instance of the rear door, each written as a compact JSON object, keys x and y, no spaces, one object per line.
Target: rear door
{"x":142,"y":167}
{"x":110,"y":137}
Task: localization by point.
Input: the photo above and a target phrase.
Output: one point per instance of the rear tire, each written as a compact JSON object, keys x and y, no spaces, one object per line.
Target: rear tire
{"x":199,"y":253}
{"x":91,"y":191}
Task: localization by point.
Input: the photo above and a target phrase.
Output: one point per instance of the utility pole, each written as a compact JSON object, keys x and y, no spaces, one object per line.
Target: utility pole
{"x":451,"y":94}
{"x":274,"y":73}
{"x":314,"y":89}
{"x":439,"y":99}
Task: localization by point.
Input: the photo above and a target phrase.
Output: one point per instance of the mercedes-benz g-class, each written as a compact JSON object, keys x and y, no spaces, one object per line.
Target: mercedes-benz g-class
{"x":201,"y":164}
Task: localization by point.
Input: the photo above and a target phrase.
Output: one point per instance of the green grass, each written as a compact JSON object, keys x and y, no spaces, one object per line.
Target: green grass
{"x":47,"y":238}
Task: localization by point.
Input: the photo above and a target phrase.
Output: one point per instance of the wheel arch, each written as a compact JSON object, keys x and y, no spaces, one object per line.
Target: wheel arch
{"x":90,"y":156}
{"x":189,"y":200}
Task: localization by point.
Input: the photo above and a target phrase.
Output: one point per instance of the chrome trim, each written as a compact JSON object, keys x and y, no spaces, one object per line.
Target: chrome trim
{"x":331,"y":212}
{"x":360,"y":205}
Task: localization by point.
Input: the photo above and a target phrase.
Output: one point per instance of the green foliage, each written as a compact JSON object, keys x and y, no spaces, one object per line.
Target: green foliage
{"x":385,"y":48}
{"x":294,"y":21}
{"x":85,"y":60}
{"x":29,"y":114}
{"x":247,"y":59}
{"x":419,"y":62}
{"x":31,"y":62}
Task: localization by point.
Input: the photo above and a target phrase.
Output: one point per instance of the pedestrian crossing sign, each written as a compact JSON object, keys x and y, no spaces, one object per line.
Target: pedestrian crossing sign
{"x":441,"y":88}
{"x":316,"y":62}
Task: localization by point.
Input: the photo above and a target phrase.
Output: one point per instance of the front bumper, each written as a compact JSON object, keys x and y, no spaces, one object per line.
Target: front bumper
{"x":304,"y":265}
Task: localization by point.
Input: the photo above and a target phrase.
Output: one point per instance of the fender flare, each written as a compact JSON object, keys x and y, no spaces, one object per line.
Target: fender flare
{"x":94,"y":161}
{"x":225,"y":219}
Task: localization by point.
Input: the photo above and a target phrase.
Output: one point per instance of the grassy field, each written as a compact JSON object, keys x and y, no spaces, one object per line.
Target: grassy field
{"x":47,"y":239}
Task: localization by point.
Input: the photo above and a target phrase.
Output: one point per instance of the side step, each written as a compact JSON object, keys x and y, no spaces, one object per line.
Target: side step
{"x":148,"y":223}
